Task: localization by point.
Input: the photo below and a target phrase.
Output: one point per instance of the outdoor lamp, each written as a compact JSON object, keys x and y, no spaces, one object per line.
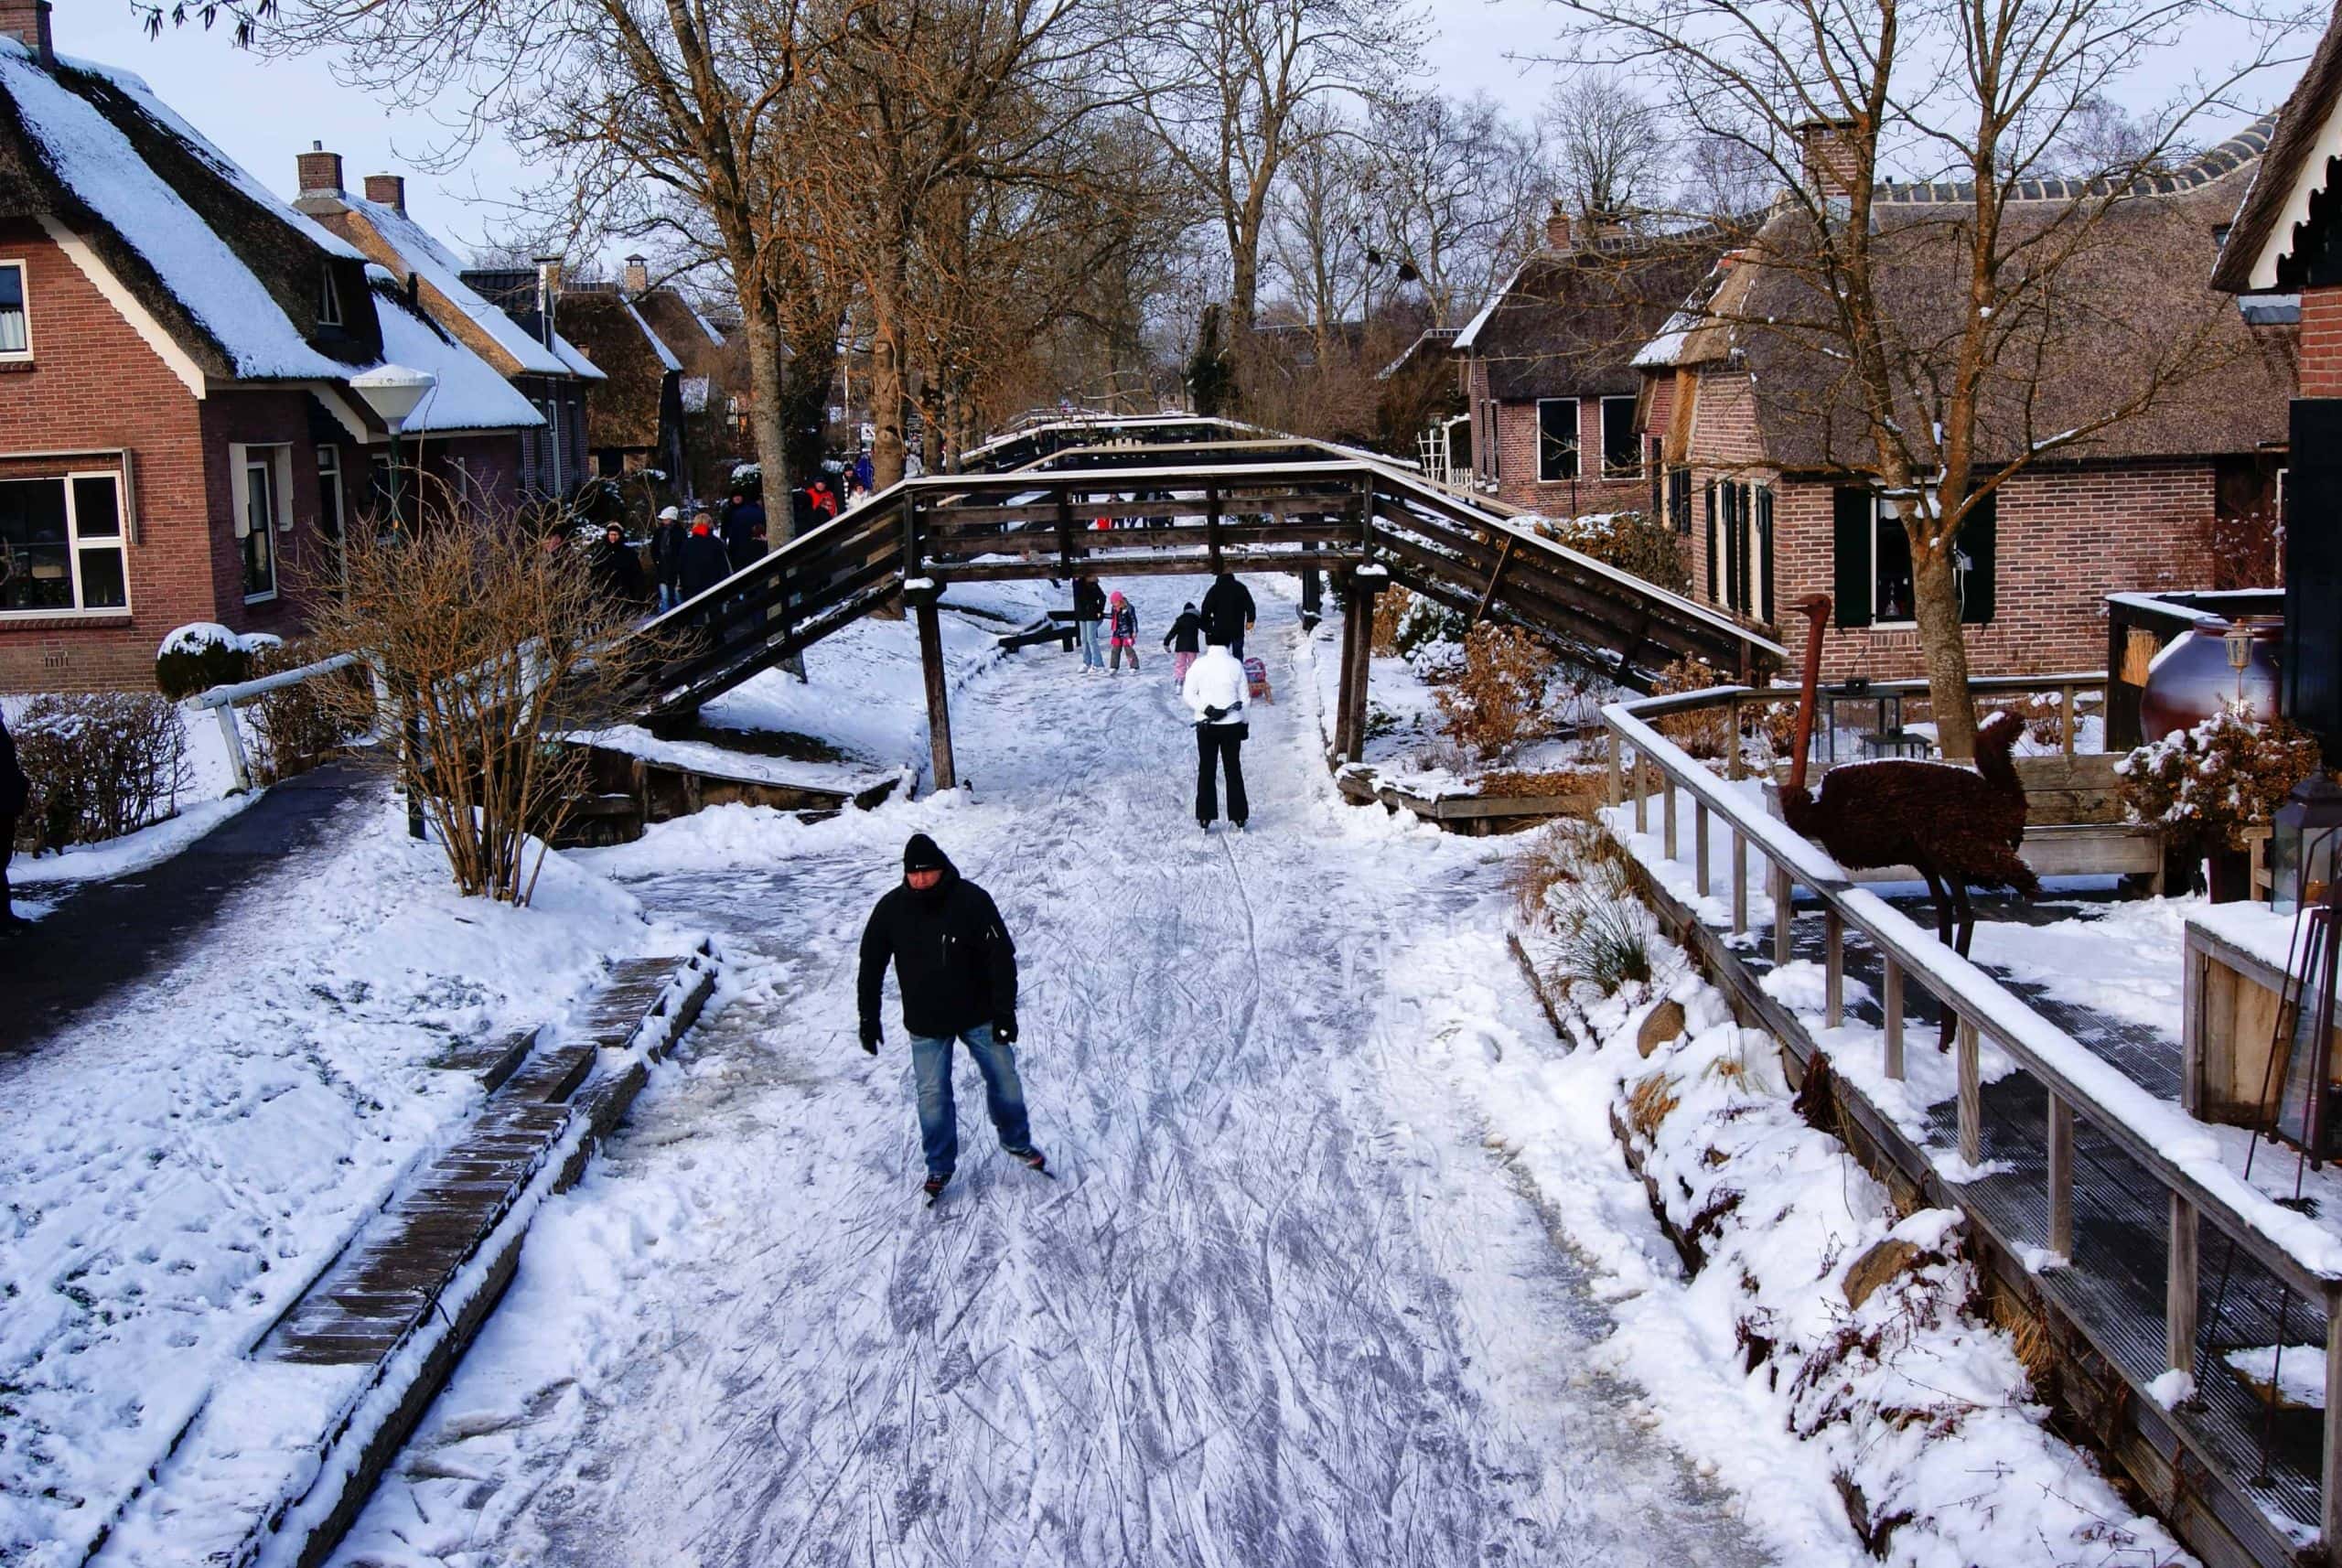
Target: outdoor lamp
{"x":2302,"y":841}
{"x":392,"y":392}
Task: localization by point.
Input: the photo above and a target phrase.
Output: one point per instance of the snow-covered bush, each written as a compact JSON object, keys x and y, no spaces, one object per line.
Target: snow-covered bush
{"x":2204,"y":785}
{"x":199,"y":656}
{"x":1626,"y":539}
{"x":1498,"y":698}
{"x":102,"y":764}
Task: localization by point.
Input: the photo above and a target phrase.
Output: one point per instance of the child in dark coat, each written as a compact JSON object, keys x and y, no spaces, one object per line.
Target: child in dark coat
{"x":1121,"y":619}
{"x":1186,"y":639}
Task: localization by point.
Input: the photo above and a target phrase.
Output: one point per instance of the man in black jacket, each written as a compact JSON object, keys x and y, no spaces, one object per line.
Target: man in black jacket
{"x":16,"y":789}
{"x":1228,"y":612}
{"x":704,"y":562}
{"x":957,"y":969}
{"x":1089,"y":609}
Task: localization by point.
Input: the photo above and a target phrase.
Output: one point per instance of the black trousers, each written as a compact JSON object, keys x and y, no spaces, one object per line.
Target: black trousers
{"x":1217,"y":746}
{"x":7,"y":848}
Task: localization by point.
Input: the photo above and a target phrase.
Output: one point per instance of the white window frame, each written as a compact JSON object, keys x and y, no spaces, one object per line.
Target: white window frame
{"x":333,"y":489}
{"x":1633,"y":469}
{"x":329,"y":296}
{"x":25,"y":293}
{"x":1577,"y":440}
{"x":277,"y":459}
{"x":121,"y":544}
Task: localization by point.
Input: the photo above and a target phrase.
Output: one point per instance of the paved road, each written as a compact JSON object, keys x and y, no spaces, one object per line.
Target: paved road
{"x":1281,"y":1307}
{"x":103,"y":939}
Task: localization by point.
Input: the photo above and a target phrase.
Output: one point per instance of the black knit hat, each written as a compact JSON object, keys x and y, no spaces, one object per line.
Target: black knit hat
{"x":923,"y":854}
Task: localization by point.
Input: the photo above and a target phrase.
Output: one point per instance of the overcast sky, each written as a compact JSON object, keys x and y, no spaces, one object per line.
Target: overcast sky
{"x":264,"y":112}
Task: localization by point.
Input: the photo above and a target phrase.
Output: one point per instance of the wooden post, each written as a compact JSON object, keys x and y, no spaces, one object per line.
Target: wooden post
{"x":1666,"y":810}
{"x":1893,"y":981}
{"x":1065,"y":530}
{"x":939,"y":701}
{"x":1362,"y":594}
{"x":1346,"y":744}
{"x":1616,"y":779}
{"x":2061,"y":1177}
{"x":1732,"y":769}
{"x":1739,"y":881}
{"x":1784,"y":913}
{"x":1211,"y":526}
{"x":2330,"y":1489}
{"x":238,"y":769}
{"x":1971,"y":1095}
{"x":1700,"y":846}
{"x":1642,"y":789}
{"x":2066,"y":695}
{"x":1833,"y":959}
{"x":2179,"y":1290}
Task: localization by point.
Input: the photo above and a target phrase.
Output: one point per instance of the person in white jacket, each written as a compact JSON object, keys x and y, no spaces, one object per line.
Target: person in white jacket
{"x":1214,"y":692}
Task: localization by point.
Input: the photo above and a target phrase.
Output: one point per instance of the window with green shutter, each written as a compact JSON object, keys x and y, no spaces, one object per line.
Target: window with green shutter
{"x":1853,"y":516}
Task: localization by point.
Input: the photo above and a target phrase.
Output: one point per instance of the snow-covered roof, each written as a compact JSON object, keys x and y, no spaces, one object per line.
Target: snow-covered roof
{"x":92,"y":157}
{"x":707,"y":327}
{"x":1466,"y":340}
{"x":666,"y":355}
{"x":420,"y":251}
{"x":471,"y":395}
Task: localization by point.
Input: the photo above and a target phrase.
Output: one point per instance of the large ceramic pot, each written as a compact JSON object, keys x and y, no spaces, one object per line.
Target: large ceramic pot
{"x":2191,"y":678}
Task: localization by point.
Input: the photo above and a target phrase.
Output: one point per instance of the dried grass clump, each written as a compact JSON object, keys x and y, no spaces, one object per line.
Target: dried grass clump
{"x":1649,"y":1102}
{"x":1608,"y":944}
{"x":1513,"y":783}
{"x":1573,"y":852}
{"x":102,"y":764}
{"x":1498,"y":701}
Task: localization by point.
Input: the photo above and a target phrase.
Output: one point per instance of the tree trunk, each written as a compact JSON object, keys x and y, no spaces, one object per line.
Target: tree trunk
{"x":886,"y":397}
{"x":1935,"y":594}
{"x":767,"y":413}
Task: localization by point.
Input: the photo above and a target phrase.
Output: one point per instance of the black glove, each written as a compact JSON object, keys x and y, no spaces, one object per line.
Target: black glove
{"x":870,"y":1035}
{"x":1003,"y":1028}
{"x":1213,"y":715}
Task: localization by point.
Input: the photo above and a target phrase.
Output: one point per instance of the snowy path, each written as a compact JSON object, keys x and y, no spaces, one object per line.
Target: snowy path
{"x":1283,"y":1306}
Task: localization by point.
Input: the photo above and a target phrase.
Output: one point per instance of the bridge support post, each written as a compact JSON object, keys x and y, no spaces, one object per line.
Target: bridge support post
{"x":1345,"y":745}
{"x":1365,"y":583}
{"x":938,"y":697}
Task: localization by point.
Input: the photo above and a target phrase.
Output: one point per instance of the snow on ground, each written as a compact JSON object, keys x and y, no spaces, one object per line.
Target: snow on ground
{"x":1283,"y":1303}
{"x":180,"y":1162}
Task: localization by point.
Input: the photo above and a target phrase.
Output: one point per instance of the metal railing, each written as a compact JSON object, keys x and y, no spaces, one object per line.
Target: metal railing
{"x":225,"y":700}
{"x":2174,"y":1150}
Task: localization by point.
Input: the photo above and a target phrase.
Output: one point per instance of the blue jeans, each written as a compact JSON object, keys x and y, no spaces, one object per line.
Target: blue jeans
{"x":670,"y":596}
{"x":939,"y":1122}
{"x":1091,"y":657}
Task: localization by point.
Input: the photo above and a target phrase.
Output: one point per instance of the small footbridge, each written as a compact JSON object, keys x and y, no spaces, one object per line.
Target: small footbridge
{"x":1166,"y":495}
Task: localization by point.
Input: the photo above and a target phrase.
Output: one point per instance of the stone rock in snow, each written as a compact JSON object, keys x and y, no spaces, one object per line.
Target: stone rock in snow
{"x":1663,"y":1026}
{"x":1889,"y":1257}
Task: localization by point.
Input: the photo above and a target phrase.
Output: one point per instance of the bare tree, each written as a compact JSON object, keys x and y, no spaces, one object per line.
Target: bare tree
{"x":1609,"y":148}
{"x":1462,"y":192}
{"x":1227,"y":84}
{"x":666,"y":107}
{"x":1953,"y":328}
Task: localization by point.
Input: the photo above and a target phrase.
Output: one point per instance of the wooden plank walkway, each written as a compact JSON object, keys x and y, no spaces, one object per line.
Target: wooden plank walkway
{"x":390,"y":1277}
{"x":2266,"y":1466}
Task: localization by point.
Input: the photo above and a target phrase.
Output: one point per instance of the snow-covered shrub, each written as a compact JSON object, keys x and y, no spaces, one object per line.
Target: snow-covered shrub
{"x":1626,"y":539}
{"x":2204,"y":785}
{"x":1497,"y":700}
{"x":1426,"y":634}
{"x":102,"y":764}
{"x":300,"y":725}
{"x":199,"y":656}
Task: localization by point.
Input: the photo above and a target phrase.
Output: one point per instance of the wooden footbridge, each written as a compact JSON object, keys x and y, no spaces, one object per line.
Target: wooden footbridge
{"x":1166,"y":495}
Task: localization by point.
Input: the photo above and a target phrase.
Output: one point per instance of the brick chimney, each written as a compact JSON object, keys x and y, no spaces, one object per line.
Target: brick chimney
{"x":26,"y":21}
{"x":387,"y":190}
{"x":320,"y":171}
{"x":638,"y":275}
{"x":1831,"y":160}
{"x":1557,"y":229}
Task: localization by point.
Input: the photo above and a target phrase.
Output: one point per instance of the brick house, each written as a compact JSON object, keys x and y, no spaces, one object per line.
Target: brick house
{"x":177,"y":431}
{"x":1547,"y":367}
{"x":635,"y":420}
{"x":541,"y":365}
{"x":713,"y":389}
{"x":1761,"y":440}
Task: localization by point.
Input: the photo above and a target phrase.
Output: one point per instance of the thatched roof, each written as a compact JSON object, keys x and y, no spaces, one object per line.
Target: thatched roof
{"x":2272,"y":231}
{"x":1569,"y":323}
{"x":626,"y":410}
{"x":2128,"y":320}
{"x":231,"y":274}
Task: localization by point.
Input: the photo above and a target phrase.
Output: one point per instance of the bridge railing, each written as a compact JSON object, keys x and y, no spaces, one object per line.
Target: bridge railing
{"x":2178,"y":1153}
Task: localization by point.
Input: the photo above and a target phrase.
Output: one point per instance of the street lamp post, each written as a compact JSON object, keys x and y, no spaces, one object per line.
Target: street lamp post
{"x":393,"y":392}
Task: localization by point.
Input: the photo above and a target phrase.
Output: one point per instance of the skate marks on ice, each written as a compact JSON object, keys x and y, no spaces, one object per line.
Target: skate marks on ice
{"x":1279,"y":1309}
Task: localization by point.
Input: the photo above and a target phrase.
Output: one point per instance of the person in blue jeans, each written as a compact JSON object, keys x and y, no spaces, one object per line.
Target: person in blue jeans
{"x":956,"y":966}
{"x":1089,"y":609}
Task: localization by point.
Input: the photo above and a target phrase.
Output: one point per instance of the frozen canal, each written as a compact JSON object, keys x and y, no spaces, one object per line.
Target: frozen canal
{"x":1283,"y":1305}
